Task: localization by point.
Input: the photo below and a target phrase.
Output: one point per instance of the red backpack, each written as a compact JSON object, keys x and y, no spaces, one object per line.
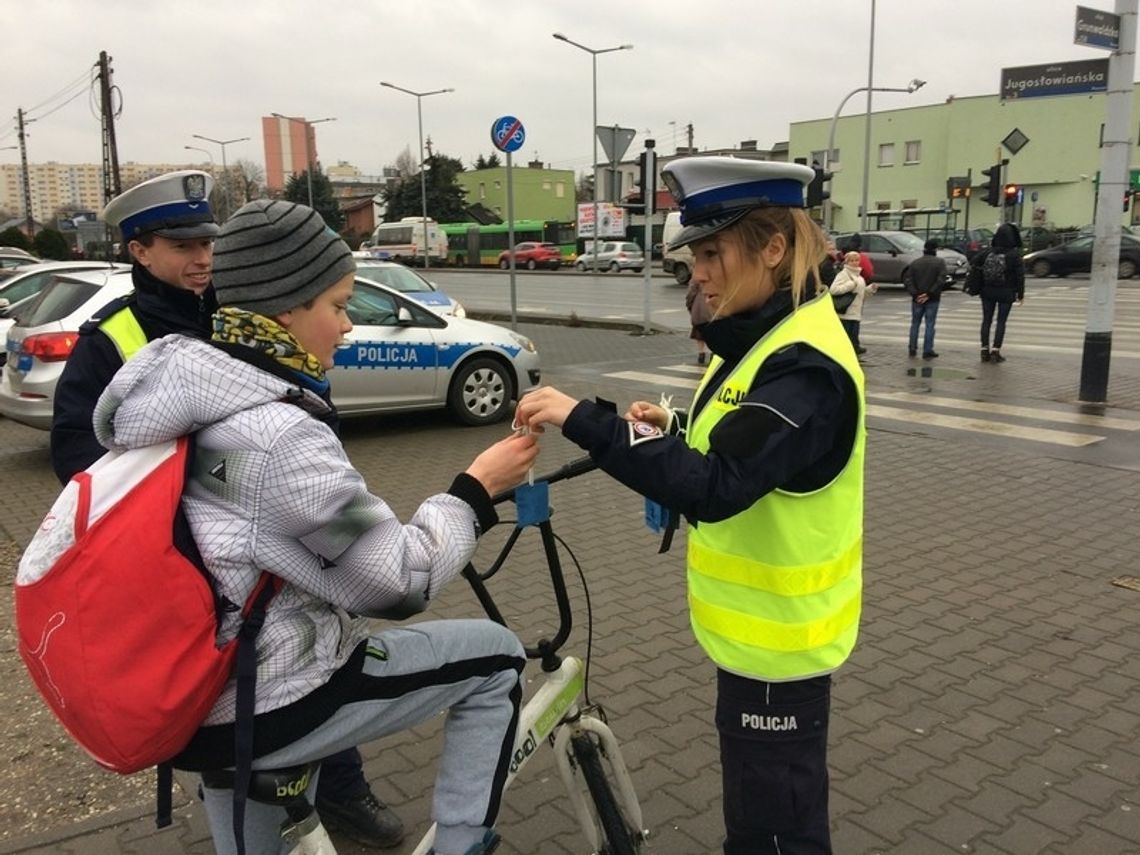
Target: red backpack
{"x":117,"y":625}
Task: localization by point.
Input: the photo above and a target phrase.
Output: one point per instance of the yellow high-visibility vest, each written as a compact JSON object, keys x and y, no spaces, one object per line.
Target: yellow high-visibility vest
{"x":125,"y":332}
{"x":776,"y":590}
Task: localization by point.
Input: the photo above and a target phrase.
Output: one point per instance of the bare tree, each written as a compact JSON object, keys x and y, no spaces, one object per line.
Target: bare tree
{"x":249,"y":178}
{"x":407,"y":165}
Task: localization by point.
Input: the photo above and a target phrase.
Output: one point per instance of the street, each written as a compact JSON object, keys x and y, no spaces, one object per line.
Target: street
{"x":993,"y":700}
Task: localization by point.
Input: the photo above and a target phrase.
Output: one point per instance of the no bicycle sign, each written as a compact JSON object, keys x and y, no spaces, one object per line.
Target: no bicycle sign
{"x":507,"y":134}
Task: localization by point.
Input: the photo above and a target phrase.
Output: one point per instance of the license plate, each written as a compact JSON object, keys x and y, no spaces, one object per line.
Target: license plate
{"x":24,"y":363}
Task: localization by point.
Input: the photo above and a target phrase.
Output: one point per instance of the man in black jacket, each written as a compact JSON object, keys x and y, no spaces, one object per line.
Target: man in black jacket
{"x":168,"y":228}
{"x":924,"y":281}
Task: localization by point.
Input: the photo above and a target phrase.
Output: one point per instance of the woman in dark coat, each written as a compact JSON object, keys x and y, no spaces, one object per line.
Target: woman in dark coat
{"x":1000,"y":291}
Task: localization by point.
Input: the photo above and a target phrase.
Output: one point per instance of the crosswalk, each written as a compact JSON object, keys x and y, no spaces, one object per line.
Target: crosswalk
{"x":1051,"y":321}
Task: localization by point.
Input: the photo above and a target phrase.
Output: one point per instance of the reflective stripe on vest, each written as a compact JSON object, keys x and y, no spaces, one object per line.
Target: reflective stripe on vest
{"x":125,"y":332}
{"x":775,"y":591}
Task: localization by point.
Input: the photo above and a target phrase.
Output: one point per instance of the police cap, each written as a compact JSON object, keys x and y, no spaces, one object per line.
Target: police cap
{"x":175,"y":205}
{"x":715,"y":192}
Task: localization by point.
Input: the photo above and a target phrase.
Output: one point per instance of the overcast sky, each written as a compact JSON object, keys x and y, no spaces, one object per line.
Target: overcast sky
{"x":735,"y":69}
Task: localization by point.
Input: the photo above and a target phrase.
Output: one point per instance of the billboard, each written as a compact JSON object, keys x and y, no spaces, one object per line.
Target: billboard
{"x":1059,"y":78}
{"x":610,"y":216}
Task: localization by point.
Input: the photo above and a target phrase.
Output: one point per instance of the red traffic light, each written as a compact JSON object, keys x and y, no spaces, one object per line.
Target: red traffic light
{"x":1010,"y":190}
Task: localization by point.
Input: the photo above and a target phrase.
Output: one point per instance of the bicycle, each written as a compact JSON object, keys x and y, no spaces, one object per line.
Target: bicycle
{"x":587,"y":753}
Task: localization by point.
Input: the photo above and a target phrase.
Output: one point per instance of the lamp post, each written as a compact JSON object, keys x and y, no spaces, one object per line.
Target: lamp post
{"x":225,"y":172}
{"x":204,"y":151}
{"x":419,"y":96}
{"x":308,"y":149}
{"x":594,"y":130}
{"x":914,"y":85}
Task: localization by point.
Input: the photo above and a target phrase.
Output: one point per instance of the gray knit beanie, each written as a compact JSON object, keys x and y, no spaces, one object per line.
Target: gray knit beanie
{"x":272,"y":256}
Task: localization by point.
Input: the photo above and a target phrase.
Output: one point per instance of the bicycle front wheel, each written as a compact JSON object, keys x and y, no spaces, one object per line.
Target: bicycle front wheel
{"x":620,"y":835}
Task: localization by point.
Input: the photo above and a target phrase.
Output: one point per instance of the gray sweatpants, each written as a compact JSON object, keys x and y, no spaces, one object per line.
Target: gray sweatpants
{"x":469,"y":668}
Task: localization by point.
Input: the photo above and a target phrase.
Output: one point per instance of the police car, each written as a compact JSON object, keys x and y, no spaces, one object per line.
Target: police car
{"x":407,"y":282}
{"x":400,"y":355}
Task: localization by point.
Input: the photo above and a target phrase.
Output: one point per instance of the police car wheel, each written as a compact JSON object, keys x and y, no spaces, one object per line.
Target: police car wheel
{"x":481,"y":392}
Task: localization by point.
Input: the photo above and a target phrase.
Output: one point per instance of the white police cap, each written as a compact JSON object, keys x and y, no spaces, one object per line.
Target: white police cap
{"x":175,"y":205}
{"x":715,"y":192}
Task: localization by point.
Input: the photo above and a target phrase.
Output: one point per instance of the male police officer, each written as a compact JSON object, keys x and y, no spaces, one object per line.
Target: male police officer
{"x":168,"y":228}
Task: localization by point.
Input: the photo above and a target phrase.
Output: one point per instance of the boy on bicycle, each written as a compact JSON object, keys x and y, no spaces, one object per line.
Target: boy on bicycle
{"x":272,"y":490}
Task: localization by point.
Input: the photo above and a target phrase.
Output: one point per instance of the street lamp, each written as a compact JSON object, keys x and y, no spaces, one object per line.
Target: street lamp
{"x":204,"y":151}
{"x":914,"y":85}
{"x":419,"y":96}
{"x":225,"y":172}
{"x":594,"y":131}
{"x":308,"y":149}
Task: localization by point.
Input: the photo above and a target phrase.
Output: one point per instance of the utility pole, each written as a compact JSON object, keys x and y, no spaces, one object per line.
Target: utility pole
{"x":29,"y":220}
{"x":112,"y":184}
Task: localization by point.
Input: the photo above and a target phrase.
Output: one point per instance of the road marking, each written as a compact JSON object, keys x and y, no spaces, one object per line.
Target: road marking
{"x":687,"y":369}
{"x":1018,"y":347}
{"x":1004,"y":429}
{"x":1108,"y":422}
{"x":655,"y":379}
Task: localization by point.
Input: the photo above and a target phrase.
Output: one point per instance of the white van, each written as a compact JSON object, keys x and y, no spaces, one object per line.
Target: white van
{"x":404,"y":242}
{"x":679,"y":262}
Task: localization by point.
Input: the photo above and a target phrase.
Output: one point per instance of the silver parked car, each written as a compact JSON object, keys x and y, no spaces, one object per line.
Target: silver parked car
{"x":399,"y":356}
{"x":615,"y":255}
{"x":27,"y":281}
{"x":893,"y":252}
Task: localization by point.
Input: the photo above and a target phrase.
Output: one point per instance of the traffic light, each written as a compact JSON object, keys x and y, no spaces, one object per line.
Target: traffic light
{"x":647,"y":162}
{"x":815,"y":192}
{"x":1010,"y":194}
{"x":1127,"y":200}
{"x":993,"y":188}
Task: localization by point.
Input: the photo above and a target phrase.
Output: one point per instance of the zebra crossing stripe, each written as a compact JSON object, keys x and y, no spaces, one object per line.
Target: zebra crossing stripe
{"x":1107,"y":422}
{"x":655,"y":379}
{"x":1003,"y":429}
{"x":1018,"y":347}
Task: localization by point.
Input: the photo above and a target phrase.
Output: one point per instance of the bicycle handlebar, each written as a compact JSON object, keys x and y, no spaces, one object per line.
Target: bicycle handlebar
{"x":576,"y":467}
{"x":545,"y":649}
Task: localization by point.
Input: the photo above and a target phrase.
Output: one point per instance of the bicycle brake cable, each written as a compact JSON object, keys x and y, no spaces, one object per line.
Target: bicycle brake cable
{"x":589,"y":621}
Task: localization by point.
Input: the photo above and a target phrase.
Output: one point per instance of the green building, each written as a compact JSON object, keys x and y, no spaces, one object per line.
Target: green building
{"x":915,"y":150}
{"x":539,"y":194}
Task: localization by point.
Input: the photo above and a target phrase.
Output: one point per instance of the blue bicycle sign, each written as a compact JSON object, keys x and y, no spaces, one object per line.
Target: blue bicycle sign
{"x":507,"y":134}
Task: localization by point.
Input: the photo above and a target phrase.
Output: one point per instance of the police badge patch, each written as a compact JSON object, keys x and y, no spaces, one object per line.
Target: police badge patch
{"x":194,"y":188}
{"x":640,"y":432}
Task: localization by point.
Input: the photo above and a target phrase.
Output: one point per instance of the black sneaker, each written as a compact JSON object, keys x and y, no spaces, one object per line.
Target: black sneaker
{"x":701,"y":358}
{"x":985,"y":355}
{"x":487,"y":845}
{"x":912,"y":353}
{"x":930,"y":354}
{"x":995,"y":356}
{"x":859,"y":350}
{"x":364,"y":819}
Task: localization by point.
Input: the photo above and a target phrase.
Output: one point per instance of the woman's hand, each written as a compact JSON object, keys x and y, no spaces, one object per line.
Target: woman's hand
{"x":643,"y":411}
{"x":545,"y":406}
{"x":505,"y":463}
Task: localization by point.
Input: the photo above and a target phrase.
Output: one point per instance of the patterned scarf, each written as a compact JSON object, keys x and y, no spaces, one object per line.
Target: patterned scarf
{"x":265,"y":335}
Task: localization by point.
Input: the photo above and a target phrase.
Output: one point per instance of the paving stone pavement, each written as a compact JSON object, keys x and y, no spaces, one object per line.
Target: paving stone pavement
{"x":992,"y":704}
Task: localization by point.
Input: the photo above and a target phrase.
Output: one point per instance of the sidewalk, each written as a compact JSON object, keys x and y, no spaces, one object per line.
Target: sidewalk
{"x":992,"y":704}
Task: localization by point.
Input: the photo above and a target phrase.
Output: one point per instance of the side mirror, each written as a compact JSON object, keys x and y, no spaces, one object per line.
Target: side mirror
{"x":4,"y":304}
{"x":404,"y":316}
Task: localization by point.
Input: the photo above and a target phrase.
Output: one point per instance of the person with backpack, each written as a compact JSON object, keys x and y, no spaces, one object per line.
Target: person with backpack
{"x":168,"y":229}
{"x":1002,"y":282}
{"x":271,"y":489}
{"x":924,"y":281}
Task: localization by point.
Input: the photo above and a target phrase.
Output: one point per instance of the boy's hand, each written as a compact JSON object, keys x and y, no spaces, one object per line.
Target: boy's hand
{"x":505,"y":463}
{"x":643,"y":411}
{"x":545,"y":406}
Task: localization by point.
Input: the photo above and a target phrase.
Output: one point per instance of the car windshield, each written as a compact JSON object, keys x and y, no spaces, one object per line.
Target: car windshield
{"x":907,"y":242}
{"x":400,"y":278}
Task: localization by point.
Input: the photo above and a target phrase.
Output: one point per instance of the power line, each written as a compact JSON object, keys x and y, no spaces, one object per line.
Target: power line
{"x":59,"y":107}
{"x":66,"y":90}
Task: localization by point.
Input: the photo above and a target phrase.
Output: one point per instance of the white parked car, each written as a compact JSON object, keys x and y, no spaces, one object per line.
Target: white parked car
{"x":400,"y":355}
{"x":408,"y":282}
{"x":27,"y":281}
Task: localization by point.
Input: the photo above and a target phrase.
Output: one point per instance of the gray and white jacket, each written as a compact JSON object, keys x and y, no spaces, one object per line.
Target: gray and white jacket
{"x":272,"y":490}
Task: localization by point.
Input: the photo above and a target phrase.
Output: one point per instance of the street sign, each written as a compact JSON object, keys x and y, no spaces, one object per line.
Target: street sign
{"x":507,"y":134}
{"x":1015,"y":141}
{"x":1097,"y":29}
{"x":615,"y":141}
{"x":611,"y":220}
{"x":1058,"y":78}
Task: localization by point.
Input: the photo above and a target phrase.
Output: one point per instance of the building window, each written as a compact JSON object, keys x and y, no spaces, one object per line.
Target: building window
{"x":817,"y":157}
{"x":887,"y":154}
{"x":909,"y":220}
{"x":498,"y":185}
{"x":482,"y":190}
{"x":913,"y":151}
{"x":560,"y":190}
{"x":545,"y":185}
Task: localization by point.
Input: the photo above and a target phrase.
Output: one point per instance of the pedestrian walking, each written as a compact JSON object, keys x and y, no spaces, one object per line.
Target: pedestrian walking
{"x":924,"y":281}
{"x":699,"y":315}
{"x":168,"y":229}
{"x":767,"y":467}
{"x":849,"y":280}
{"x":1002,"y":275}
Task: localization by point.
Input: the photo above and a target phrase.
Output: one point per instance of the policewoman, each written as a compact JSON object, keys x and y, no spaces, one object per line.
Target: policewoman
{"x":168,"y":229}
{"x":767,"y":468}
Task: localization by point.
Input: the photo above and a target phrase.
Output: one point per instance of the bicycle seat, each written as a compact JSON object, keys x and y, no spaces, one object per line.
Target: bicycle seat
{"x":269,"y":786}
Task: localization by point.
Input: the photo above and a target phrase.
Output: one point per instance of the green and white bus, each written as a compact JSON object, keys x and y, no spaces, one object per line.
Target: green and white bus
{"x":475,"y":245}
